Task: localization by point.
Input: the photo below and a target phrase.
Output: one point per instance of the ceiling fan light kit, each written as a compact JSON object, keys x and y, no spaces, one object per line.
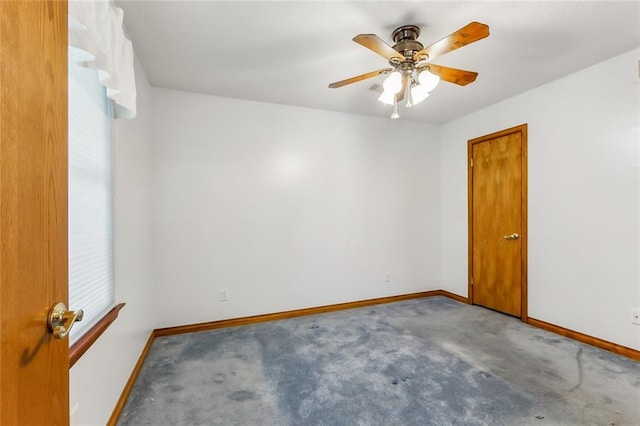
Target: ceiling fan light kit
{"x":411,"y":74}
{"x":428,"y":80}
{"x":391,"y":86}
{"x":418,"y":94}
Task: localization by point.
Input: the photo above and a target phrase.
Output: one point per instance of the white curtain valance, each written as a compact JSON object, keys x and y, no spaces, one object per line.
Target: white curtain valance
{"x":96,"y":29}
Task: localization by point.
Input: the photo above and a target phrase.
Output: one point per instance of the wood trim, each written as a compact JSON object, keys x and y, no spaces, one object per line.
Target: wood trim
{"x":290,"y":314}
{"x":522,"y":129}
{"x":590,"y":340}
{"x":524,"y":293}
{"x":498,"y":134}
{"x":117,"y":410}
{"x":233,"y":322}
{"x":585,"y":338}
{"x":455,"y":297}
{"x":470,"y":222}
{"x":89,"y":338}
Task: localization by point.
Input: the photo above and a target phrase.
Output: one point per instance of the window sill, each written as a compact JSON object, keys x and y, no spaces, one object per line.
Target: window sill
{"x":81,"y":346}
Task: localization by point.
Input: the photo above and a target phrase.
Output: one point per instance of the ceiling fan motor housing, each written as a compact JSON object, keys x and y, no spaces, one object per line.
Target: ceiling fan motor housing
{"x":406,"y":41}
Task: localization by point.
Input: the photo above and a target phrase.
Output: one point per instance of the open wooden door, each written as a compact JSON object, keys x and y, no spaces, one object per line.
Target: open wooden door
{"x":34,"y":366}
{"x":498,"y":221}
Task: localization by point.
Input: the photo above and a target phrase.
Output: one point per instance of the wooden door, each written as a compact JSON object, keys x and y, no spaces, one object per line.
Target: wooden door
{"x":34,"y":368}
{"x":497,"y":221}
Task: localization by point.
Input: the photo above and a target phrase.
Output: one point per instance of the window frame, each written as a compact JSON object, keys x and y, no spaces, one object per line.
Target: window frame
{"x":91,"y":335}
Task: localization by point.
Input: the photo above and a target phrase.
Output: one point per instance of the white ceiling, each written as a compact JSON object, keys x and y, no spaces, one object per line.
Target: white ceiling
{"x":288,"y":52}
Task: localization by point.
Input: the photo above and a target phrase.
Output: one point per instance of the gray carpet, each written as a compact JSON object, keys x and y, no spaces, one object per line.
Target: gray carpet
{"x":422,"y":362}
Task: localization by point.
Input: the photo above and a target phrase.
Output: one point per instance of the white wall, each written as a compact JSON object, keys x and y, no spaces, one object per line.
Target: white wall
{"x":584,"y":191}
{"x":98,"y":378}
{"x":287,"y":207}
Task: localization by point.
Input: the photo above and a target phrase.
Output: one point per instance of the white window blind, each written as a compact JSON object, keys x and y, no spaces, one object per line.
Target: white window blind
{"x":91,"y":283}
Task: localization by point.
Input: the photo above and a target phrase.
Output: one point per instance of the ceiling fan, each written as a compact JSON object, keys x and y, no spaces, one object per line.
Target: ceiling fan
{"x":411,"y":73}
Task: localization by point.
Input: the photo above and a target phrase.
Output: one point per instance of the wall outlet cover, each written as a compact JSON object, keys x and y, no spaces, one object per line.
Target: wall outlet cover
{"x":635,"y":316}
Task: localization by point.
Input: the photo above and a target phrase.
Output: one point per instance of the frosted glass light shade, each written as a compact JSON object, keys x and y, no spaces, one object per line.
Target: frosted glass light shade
{"x":387,"y":98}
{"x":392,"y":85}
{"x":418,"y":94}
{"x":428,"y":81}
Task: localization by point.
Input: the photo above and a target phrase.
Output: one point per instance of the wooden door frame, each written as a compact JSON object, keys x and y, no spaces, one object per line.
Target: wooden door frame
{"x":522,"y":129}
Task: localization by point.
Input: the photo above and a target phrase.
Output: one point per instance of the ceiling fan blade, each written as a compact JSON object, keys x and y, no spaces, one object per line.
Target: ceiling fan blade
{"x":452,"y":75}
{"x":468,"y":34}
{"x":358,"y":78}
{"x":375,"y":43}
{"x":405,"y":83}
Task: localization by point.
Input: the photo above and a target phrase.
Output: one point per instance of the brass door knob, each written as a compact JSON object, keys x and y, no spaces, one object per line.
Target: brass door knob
{"x":513,"y":236}
{"x":60,"y":320}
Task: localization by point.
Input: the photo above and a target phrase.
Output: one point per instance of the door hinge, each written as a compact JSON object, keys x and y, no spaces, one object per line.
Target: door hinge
{"x":471,"y":280}
{"x":472,"y":162}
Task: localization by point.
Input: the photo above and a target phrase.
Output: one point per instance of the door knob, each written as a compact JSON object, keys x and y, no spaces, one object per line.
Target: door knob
{"x":60,"y":320}
{"x":513,"y":236}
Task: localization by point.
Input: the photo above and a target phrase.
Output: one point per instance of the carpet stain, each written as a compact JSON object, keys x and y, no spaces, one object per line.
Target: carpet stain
{"x":580,"y":370}
{"x":421,"y":362}
{"x":242,"y":396}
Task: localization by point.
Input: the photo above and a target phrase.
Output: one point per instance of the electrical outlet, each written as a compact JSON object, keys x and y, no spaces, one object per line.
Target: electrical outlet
{"x":635,"y":316}
{"x":387,"y":277}
{"x":223,"y":295}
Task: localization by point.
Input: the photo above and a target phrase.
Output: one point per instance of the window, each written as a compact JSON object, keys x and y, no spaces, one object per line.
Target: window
{"x":91,"y":277}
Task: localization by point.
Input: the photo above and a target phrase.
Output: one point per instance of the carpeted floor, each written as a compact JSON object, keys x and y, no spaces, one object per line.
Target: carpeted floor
{"x":422,"y":362}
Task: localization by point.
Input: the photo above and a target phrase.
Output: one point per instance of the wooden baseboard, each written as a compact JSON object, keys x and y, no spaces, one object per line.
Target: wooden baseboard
{"x":590,"y":340}
{"x":454,"y":296}
{"x":190,"y":328}
{"x":117,"y":410}
{"x":581,"y":337}
{"x":585,"y":338}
